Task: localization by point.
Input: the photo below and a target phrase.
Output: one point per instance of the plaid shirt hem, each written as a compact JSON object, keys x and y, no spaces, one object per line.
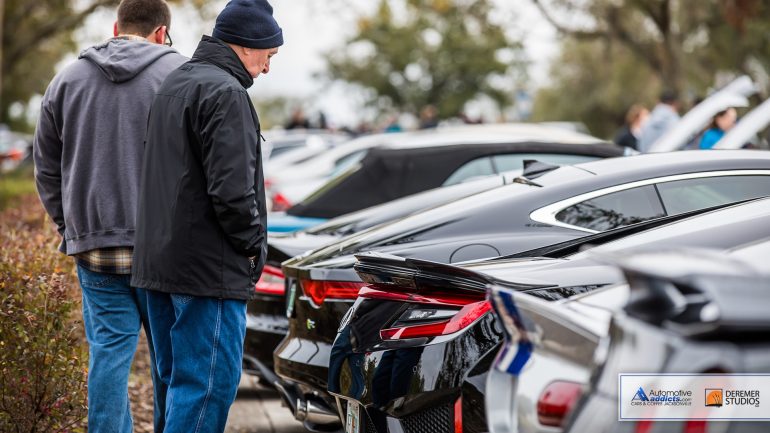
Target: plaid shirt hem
{"x":115,"y":260}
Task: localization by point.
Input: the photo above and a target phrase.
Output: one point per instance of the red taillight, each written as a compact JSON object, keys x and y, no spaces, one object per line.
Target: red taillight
{"x":319,"y":291}
{"x":440,"y":308}
{"x":15,"y":154}
{"x":556,"y":402}
{"x":464,"y":318}
{"x":689,"y":427}
{"x":644,"y":427}
{"x":454,"y":299}
{"x":459,"y":415}
{"x":280,"y":203}
{"x":270,"y":282}
{"x":695,"y":427}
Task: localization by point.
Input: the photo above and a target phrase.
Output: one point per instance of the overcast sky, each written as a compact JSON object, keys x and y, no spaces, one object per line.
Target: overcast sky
{"x":312,"y":27}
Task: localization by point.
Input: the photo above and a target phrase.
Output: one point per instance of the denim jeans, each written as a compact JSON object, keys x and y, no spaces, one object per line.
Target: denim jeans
{"x":113,"y":313}
{"x":199,"y":354}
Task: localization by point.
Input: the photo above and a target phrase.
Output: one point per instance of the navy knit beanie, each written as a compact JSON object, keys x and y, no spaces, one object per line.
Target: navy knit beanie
{"x":248,"y":23}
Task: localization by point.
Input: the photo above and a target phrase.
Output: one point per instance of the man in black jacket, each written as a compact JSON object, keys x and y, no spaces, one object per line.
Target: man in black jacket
{"x":201,"y":226}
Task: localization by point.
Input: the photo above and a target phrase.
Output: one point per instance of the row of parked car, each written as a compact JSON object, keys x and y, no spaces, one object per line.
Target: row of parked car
{"x":498,"y":278}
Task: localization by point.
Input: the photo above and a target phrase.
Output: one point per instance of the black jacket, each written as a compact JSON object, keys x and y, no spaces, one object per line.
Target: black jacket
{"x":202,"y":203}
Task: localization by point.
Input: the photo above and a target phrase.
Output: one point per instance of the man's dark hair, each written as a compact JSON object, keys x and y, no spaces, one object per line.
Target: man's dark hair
{"x":142,"y":17}
{"x":669,"y":97}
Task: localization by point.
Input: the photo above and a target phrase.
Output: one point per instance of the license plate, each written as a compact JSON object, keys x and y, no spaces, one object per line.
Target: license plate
{"x":352,"y":423}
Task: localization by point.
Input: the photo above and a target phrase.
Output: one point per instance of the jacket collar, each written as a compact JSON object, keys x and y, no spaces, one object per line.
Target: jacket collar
{"x":216,"y":52}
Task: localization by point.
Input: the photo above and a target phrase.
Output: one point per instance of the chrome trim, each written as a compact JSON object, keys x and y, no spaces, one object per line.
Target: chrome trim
{"x":547,"y":214}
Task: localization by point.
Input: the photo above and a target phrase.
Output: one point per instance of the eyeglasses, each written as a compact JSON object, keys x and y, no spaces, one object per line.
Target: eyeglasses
{"x":167,"y":41}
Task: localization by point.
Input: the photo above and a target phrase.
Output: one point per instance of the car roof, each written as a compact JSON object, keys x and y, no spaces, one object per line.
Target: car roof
{"x":491,"y":133}
{"x":647,"y":166}
{"x":689,"y":158}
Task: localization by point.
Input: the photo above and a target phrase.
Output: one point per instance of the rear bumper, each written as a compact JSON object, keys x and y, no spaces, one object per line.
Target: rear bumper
{"x":420,"y":386}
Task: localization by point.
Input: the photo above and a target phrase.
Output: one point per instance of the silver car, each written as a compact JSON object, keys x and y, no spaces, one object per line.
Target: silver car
{"x":552,"y":347}
{"x":688,"y":312}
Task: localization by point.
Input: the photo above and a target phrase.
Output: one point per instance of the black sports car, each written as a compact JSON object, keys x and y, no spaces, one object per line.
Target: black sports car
{"x":419,"y":162}
{"x":266,"y":314}
{"x":416,"y":347}
{"x":537,"y":210}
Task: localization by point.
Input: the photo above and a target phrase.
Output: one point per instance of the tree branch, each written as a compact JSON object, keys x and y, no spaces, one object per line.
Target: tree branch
{"x":645,"y":52}
{"x":49,"y":30}
{"x":575,"y":33}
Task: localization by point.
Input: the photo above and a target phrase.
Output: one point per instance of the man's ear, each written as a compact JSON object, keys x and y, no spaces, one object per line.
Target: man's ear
{"x":160,"y":35}
{"x":115,"y":29}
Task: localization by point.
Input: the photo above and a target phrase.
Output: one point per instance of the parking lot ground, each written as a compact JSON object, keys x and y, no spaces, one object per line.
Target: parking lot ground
{"x":258,"y":409}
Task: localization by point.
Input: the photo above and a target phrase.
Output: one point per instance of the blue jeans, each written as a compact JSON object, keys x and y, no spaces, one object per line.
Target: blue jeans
{"x":199,"y":353}
{"x":113,"y":313}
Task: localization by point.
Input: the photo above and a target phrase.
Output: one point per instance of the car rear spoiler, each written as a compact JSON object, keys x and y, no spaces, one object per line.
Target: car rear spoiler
{"x":576,"y":245}
{"x":389,"y":270}
{"x":698,"y":293}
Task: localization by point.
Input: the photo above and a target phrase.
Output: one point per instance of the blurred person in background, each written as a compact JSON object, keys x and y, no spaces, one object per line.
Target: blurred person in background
{"x":661,"y":119}
{"x":298,"y":120}
{"x":428,"y":117}
{"x":635,"y":118}
{"x":720,"y":124}
{"x":202,"y":220}
{"x":392,"y":124}
{"x":88,"y":150}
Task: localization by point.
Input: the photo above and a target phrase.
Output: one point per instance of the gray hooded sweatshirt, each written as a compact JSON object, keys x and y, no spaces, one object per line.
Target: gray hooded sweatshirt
{"x":89,"y":141}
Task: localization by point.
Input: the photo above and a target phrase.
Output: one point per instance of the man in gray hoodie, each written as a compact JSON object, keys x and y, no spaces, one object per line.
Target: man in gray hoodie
{"x":88,"y":152}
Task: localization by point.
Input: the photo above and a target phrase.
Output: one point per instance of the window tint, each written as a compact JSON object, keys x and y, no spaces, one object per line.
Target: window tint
{"x":693,"y":194}
{"x":614,"y":210}
{"x":476,"y":168}
{"x":515,"y":161}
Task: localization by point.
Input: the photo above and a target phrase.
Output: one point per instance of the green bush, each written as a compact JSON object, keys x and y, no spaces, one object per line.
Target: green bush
{"x":16,"y":184}
{"x":43,"y":358}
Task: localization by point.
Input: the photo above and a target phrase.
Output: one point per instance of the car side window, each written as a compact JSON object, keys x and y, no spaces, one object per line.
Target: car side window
{"x":692,"y":194}
{"x":614,"y":210}
{"x":476,"y":168}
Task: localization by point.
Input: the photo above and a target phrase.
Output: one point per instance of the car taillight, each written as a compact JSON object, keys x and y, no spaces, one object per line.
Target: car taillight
{"x":280,"y":203}
{"x":319,"y":291}
{"x":432,"y":314}
{"x":556,"y":402}
{"x":695,"y":427}
{"x":15,"y":154}
{"x":644,"y":427}
{"x":271,"y":282}
{"x":459,"y":415}
{"x":689,"y":427}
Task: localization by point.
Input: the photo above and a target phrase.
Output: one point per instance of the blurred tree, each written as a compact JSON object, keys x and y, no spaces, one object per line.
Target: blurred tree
{"x":413,"y":53}
{"x":274,"y":111}
{"x":595,"y":83}
{"x":626,"y":51}
{"x":36,"y":35}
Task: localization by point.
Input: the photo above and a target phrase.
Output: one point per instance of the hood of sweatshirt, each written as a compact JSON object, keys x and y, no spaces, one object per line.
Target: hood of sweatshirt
{"x":121,"y":60}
